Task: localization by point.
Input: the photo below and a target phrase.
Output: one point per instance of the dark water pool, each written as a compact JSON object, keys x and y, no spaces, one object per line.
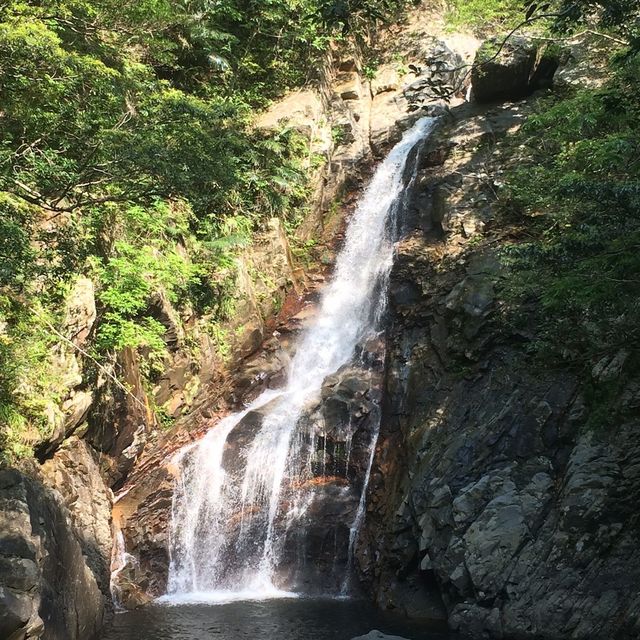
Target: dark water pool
{"x":299,"y":619}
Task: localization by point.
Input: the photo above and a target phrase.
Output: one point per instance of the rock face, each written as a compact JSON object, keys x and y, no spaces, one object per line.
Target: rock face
{"x":52,"y":581}
{"x":55,"y":519}
{"x":378,"y":635}
{"x":352,"y":120}
{"x":75,"y":474}
{"x":342,"y":427}
{"x":488,"y":489}
{"x":76,"y":396}
{"x":120,"y":419}
{"x":271,"y":258}
{"x":512,"y":70}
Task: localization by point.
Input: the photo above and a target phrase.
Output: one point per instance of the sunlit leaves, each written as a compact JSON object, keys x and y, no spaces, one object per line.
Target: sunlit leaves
{"x":127,"y":155}
{"x":578,"y":197}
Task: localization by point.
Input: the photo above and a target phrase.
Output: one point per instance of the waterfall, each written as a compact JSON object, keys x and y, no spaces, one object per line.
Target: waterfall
{"x":246,"y":490}
{"x":120,"y":561}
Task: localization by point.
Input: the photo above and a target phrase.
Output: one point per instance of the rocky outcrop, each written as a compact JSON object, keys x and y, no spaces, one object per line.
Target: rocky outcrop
{"x":266,"y":274}
{"x":120,"y":418}
{"x":489,"y":490}
{"x":67,"y":360}
{"x":512,"y":69}
{"x":55,"y":545}
{"x":52,"y":581}
{"x":342,"y":427}
{"x":377,"y":635}
{"x":75,"y":474}
{"x":352,"y":119}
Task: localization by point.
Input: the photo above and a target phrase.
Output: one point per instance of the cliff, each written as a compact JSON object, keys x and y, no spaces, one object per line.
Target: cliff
{"x":493,"y":495}
{"x":497,"y":503}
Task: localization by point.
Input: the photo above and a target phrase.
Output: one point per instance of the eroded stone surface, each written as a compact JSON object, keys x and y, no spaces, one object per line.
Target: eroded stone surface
{"x":488,"y":488}
{"x":48,"y":586}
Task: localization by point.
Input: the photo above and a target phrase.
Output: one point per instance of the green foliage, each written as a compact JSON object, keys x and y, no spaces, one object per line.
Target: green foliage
{"x":127,"y":154}
{"x":303,"y":251}
{"x":485,"y":16}
{"x":370,"y":70}
{"x":29,"y":388}
{"x":577,"y":193}
{"x":16,"y":253}
{"x":221,"y":338}
{"x":621,"y":17}
{"x":338,"y":134}
{"x":349,"y":16}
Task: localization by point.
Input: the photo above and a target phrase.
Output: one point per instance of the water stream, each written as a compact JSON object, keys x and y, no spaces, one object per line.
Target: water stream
{"x":252,"y":482}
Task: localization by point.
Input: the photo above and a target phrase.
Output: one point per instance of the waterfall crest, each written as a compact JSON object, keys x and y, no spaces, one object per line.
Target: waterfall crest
{"x":246,"y":490}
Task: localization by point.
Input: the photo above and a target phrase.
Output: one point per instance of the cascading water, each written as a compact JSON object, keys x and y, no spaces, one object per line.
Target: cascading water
{"x":120,"y":560}
{"x":247,"y":489}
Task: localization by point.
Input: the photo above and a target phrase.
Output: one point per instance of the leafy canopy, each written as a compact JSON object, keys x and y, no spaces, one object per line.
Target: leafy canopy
{"x":127,"y":154}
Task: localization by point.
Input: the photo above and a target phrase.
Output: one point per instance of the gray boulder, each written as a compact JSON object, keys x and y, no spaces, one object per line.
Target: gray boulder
{"x":378,"y":635}
{"x":49,"y":585}
{"x":513,"y":70}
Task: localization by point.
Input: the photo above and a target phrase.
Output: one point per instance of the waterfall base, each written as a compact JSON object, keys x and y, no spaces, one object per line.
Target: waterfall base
{"x":288,"y":619}
{"x":224,"y":597}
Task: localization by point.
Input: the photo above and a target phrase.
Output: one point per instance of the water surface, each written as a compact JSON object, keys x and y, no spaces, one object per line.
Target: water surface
{"x":279,"y":619}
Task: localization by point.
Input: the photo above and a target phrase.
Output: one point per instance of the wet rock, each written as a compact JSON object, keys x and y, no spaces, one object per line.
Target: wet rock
{"x":47,"y":583}
{"x":145,"y":513}
{"x":476,"y":622}
{"x":130,"y":595}
{"x":378,"y":635}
